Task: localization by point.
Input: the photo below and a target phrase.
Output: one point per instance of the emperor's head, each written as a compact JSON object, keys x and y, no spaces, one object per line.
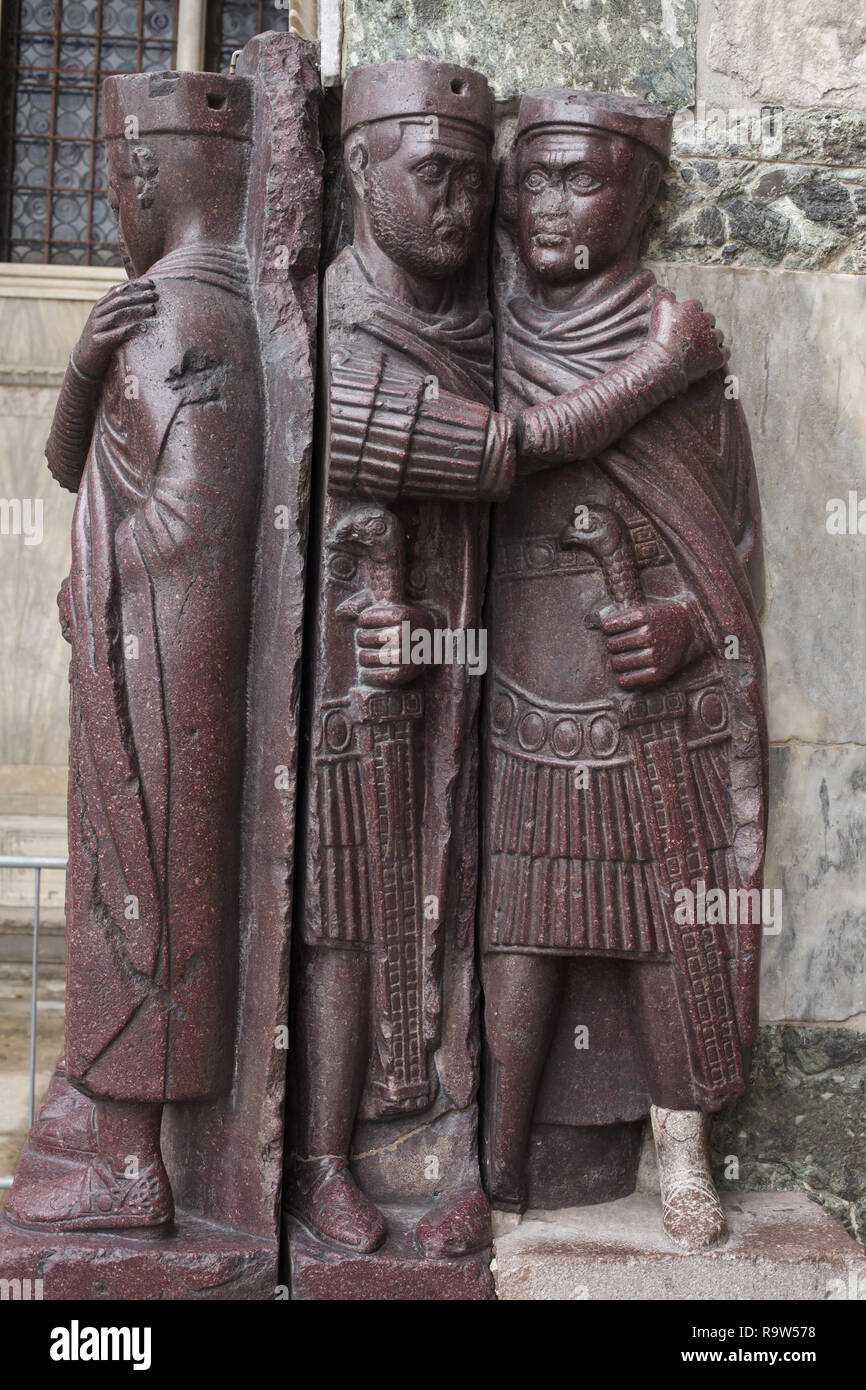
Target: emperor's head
{"x":580,"y":180}
{"x":177,"y":147}
{"x":417,"y":142}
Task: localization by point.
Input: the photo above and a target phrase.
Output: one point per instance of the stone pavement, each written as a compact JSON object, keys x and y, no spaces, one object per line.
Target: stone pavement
{"x":781,"y":1246}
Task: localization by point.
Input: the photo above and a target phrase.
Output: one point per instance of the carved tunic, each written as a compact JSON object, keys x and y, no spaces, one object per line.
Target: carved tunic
{"x":157,"y":607}
{"x":573,"y":864}
{"x":428,"y":454}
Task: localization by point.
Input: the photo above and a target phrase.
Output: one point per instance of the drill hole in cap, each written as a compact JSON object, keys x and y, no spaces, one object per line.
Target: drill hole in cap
{"x":458,"y":86}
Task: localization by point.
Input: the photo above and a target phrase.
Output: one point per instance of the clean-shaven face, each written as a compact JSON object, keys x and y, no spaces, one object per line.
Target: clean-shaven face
{"x":579,"y":196}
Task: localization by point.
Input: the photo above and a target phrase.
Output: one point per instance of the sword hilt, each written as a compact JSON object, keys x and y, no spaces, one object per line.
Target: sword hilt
{"x":606,"y":537}
{"x":374,"y":536}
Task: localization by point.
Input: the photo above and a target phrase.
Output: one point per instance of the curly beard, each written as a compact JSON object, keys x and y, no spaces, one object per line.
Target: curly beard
{"x":434,"y":252}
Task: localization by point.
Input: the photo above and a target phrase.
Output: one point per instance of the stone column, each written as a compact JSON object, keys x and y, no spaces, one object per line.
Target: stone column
{"x":191,"y":16}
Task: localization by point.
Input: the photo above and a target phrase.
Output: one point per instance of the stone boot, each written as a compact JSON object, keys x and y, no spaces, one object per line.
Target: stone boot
{"x":692,"y":1213}
{"x":326,"y":1198}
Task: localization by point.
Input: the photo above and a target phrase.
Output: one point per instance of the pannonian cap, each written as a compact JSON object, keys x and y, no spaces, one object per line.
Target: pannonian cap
{"x":178,"y":103}
{"x":621,"y":115}
{"x":383,"y":91}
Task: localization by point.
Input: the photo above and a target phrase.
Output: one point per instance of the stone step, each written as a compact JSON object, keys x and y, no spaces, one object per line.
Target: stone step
{"x":780,"y":1246}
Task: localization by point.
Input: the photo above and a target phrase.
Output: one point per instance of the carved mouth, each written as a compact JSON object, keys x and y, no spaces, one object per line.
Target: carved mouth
{"x":550,"y":237}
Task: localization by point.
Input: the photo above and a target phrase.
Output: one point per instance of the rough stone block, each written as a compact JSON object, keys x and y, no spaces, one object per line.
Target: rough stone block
{"x":597,"y":44}
{"x":773,"y":51}
{"x":755,"y":212}
{"x":781,"y":1246}
{"x":821,"y":135}
{"x":800,"y":1125}
{"x":398,"y":1271}
{"x":196,"y":1261}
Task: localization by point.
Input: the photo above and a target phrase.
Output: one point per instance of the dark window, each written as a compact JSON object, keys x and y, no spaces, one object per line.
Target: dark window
{"x":53,"y":56}
{"x":231,"y":22}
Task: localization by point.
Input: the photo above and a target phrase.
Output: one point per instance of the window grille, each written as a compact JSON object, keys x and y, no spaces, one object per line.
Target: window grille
{"x":230,"y":23}
{"x":54,"y":55}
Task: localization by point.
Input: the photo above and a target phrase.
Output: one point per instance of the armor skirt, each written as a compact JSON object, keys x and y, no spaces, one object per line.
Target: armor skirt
{"x":571,"y":863}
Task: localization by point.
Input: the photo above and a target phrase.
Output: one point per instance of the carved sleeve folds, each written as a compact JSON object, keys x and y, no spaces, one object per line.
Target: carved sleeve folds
{"x":582,"y":423}
{"x":72,"y":427}
{"x":394,"y":434}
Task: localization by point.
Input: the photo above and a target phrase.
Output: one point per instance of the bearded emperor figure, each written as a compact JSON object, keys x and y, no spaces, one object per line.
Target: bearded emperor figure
{"x":386,"y":984}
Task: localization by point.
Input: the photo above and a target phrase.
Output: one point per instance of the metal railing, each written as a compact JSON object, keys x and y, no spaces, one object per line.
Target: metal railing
{"x":36,"y":862}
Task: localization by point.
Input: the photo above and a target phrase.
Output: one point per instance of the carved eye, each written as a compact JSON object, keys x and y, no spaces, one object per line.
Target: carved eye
{"x":581,"y":181}
{"x":535,"y":181}
{"x":472,"y":177}
{"x":431,"y":171}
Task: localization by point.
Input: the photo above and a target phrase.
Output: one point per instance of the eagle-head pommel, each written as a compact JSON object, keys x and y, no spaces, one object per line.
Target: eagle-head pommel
{"x":370,"y":531}
{"x":596,"y":529}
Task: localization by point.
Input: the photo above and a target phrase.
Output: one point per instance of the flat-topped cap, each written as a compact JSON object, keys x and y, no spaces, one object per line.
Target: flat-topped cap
{"x":384,"y":91}
{"x":620,"y":115}
{"x":177,"y":103}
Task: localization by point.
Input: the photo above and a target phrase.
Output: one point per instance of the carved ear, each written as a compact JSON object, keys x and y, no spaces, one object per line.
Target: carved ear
{"x":508,"y":188}
{"x":145,"y":174}
{"x":651,"y":177}
{"x":357,"y":162}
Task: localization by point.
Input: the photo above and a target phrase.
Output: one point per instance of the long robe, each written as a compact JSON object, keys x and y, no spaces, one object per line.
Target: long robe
{"x":444,"y":548}
{"x":158,"y":610}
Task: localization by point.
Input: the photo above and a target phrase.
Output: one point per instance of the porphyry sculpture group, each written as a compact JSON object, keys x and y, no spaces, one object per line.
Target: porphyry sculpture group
{"x":487,"y":866}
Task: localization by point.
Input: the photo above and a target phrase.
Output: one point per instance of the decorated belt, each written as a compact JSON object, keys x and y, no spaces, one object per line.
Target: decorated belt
{"x":533,"y":556}
{"x":523,"y":724}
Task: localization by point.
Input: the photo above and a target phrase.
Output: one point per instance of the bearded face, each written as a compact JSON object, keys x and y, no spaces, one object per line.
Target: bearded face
{"x":428,"y":200}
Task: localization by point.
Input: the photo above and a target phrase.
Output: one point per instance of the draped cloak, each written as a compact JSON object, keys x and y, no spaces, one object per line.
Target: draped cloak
{"x":158,"y":610}
{"x":575,"y":871}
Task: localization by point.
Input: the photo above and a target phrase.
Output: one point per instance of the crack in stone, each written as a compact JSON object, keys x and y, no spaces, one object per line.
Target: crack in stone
{"x":810,"y":743}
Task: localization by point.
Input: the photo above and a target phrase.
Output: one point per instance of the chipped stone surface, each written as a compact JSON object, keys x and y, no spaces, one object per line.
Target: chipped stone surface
{"x":770,"y":50}
{"x":781,"y":1246}
{"x":600,"y":44}
{"x":800,"y":1125}
{"x":799,"y":355}
{"x":197,"y":1261}
{"x":816,"y":135}
{"x":764,"y":186}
